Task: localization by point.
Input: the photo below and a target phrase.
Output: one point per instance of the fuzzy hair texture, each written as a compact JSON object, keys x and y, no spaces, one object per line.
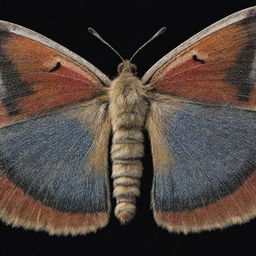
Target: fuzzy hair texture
{"x":128,"y":111}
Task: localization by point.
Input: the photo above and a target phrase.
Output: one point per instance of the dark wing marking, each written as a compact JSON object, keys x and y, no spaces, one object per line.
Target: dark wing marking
{"x":215,"y":67}
{"x":39,"y":77}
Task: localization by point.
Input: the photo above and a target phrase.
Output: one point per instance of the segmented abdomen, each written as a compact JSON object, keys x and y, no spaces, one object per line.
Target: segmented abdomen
{"x":127,"y":151}
{"x":128,"y":109}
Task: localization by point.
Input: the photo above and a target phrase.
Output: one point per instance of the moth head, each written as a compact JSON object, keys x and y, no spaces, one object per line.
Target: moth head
{"x":127,"y":66}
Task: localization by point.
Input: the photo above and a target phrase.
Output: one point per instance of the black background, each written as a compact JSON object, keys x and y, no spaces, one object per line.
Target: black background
{"x":126,"y":24}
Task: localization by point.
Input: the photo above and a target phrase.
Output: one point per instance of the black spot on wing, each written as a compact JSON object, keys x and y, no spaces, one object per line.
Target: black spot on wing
{"x":56,"y":67}
{"x":195,"y":58}
{"x":14,"y":87}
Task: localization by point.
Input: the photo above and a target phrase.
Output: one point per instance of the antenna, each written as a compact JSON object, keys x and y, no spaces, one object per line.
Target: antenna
{"x":94,"y":33}
{"x":157,"y":34}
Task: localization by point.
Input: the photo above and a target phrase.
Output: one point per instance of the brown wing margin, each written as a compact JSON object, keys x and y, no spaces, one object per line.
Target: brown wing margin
{"x":204,"y":162}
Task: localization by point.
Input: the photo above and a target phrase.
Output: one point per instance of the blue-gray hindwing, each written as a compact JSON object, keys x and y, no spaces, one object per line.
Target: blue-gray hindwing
{"x":213,"y":153}
{"x":47,"y":158}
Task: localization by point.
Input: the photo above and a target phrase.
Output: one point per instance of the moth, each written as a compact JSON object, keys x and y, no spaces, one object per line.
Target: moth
{"x":61,"y":119}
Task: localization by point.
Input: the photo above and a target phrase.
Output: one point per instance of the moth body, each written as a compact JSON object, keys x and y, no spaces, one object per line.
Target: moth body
{"x":128,"y":109}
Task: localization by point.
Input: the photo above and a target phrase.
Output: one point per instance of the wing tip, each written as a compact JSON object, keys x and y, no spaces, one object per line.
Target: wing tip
{"x":251,"y":11}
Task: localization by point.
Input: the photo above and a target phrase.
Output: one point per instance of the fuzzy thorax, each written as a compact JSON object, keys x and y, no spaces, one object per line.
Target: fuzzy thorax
{"x":128,"y":109}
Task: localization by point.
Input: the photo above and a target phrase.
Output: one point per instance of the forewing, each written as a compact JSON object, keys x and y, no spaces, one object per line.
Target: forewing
{"x":215,"y":67}
{"x":38,"y":76}
{"x":53,"y":174}
{"x":204,"y":165}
